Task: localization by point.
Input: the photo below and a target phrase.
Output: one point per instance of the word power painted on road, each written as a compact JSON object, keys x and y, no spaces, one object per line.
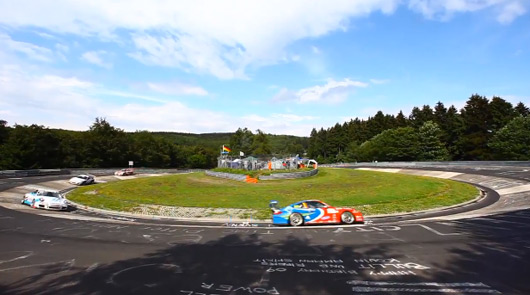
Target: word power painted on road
{"x":217,"y":289}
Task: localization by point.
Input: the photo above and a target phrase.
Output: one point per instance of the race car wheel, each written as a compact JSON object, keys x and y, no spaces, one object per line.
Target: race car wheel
{"x":296,"y":219}
{"x":347,"y":218}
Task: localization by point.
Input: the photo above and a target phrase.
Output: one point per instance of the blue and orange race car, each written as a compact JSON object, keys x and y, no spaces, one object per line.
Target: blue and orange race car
{"x":313,"y":212}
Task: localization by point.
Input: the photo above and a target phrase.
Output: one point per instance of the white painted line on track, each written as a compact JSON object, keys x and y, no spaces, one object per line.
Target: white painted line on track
{"x":424,"y":291}
{"x":394,"y":287}
{"x":68,"y":263}
{"x":514,"y":190}
{"x":24,"y":256}
{"x":75,"y":217}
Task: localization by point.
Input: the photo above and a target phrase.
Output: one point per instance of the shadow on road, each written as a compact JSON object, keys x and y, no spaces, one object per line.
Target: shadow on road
{"x":486,"y":259}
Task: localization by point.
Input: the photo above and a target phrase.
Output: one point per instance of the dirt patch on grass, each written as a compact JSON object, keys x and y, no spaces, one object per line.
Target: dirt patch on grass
{"x":194,"y":212}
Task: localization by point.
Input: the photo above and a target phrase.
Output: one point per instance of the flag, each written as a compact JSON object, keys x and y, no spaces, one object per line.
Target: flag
{"x":226,"y":149}
{"x":241,"y":154}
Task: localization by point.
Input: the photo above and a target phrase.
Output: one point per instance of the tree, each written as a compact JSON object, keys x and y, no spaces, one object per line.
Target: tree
{"x":4,"y":131}
{"x":260,"y":144}
{"x":378,"y":124}
{"x":502,"y":112}
{"x":312,"y":150}
{"x":440,"y":114}
{"x":31,"y":147}
{"x":401,"y":120}
{"x":352,"y":152}
{"x":451,"y":131}
{"x":512,"y":142}
{"x":431,"y":147}
{"x":418,"y":117}
{"x":399,"y":144}
{"x":106,"y":146}
{"x":72,"y":149}
{"x":477,"y":129}
{"x":148,"y":150}
{"x":522,"y":110}
{"x":242,"y":141}
{"x":357,"y":130}
{"x":294,"y":149}
{"x":337,"y":140}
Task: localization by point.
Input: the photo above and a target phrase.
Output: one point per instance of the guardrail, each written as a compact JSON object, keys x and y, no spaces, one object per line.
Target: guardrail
{"x":91,"y":171}
{"x":32,"y":172}
{"x":436,"y":164}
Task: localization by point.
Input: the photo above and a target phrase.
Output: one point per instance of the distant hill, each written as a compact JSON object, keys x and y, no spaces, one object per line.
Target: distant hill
{"x":211,"y":140}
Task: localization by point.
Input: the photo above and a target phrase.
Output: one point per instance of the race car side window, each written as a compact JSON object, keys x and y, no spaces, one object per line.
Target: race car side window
{"x":315,"y":204}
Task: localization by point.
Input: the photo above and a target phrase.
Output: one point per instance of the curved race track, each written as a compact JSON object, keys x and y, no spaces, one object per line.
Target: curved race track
{"x":85,"y":254}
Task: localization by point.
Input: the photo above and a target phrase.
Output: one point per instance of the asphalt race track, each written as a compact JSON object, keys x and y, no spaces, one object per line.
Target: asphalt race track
{"x":485,"y":254}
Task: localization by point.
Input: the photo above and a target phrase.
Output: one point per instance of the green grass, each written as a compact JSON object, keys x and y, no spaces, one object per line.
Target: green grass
{"x":371,"y":192}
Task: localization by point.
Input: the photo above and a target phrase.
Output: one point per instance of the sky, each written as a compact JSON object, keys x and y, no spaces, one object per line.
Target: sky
{"x":283,"y":67}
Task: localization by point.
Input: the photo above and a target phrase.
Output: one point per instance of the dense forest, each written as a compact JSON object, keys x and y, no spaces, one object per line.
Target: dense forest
{"x":482,"y":130}
{"x":103,"y":145}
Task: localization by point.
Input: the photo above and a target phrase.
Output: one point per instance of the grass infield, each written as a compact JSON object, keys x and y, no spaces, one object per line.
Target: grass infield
{"x":368,"y":191}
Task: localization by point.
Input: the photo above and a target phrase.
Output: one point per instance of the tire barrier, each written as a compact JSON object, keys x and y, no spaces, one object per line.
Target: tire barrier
{"x":275,"y":176}
{"x":232,"y":176}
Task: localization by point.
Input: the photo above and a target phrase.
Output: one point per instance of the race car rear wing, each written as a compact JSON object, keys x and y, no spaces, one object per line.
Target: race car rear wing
{"x":274,"y":206}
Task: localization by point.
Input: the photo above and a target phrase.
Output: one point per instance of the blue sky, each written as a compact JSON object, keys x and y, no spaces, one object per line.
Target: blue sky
{"x":283,"y":67}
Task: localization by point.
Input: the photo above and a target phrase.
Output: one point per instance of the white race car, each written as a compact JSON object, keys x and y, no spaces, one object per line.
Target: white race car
{"x":45,"y":200}
{"x":82,"y":179}
{"x":124,"y":172}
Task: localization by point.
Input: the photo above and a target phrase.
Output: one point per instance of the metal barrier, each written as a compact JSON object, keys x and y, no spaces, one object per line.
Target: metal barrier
{"x":238,"y":177}
{"x":435,"y":164}
{"x":289,"y":175}
{"x":33,"y":172}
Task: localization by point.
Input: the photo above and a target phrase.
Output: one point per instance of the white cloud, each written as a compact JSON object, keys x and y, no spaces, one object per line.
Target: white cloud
{"x":20,"y":89}
{"x":96,"y":57}
{"x":115,"y":93}
{"x":177,"y":88}
{"x":379,"y":81}
{"x":202,"y":55}
{"x":62,"y":48}
{"x":293,"y":117}
{"x":48,"y":100}
{"x":219,"y":38}
{"x":72,"y":103}
{"x":276,"y":123}
{"x":510,"y":12}
{"x":45,"y":35}
{"x":32,"y":51}
{"x":507,"y":10}
{"x":332,"y":92}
